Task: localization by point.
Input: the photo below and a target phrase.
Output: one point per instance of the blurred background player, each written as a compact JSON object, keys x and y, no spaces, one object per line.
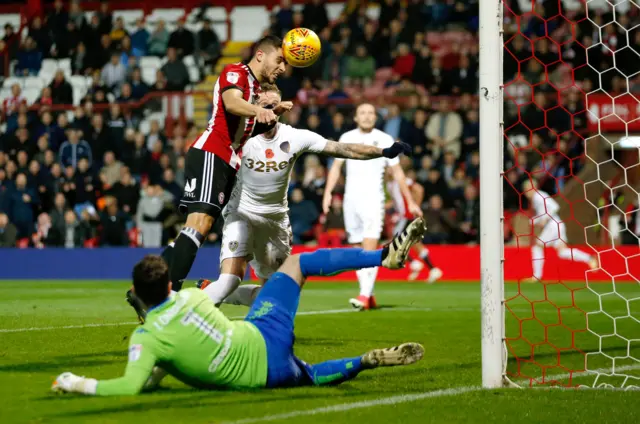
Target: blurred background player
{"x":553,"y":231}
{"x":212,"y":161}
{"x":256,"y":221}
{"x":364,"y":195}
{"x":191,"y":339}
{"x":420,"y":253}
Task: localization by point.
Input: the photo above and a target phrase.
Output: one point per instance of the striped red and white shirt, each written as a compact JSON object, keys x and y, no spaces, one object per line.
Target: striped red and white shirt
{"x":226,"y":133}
{"x":10,"y":104}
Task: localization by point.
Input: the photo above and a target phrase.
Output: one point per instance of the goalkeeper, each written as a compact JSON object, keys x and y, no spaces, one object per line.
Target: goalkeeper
{"x":186,"y":336}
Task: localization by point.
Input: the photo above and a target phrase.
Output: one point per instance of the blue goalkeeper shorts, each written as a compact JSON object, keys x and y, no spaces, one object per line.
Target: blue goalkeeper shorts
{"x":273,"y":313}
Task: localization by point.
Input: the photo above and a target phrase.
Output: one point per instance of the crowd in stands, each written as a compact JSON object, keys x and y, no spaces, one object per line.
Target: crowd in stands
{"x":92,"y":179}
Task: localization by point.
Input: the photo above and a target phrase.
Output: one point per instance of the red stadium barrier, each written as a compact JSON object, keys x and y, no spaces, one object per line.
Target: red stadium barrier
{"x":462,"y":264}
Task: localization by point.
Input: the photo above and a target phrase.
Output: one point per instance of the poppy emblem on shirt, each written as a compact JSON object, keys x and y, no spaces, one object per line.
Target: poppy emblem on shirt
{"x":269,"y":153}
{"x":285,"y":146}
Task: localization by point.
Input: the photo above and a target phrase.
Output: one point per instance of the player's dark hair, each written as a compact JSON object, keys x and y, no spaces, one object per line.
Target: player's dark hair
{"x":151,"y":280}
{"x":268,"y":42}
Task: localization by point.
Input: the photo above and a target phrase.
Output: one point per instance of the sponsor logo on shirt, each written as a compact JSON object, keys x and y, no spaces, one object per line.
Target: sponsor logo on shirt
{"x":134,"y":352}
{"x":233,"y":77}
{"x":189,"y":187}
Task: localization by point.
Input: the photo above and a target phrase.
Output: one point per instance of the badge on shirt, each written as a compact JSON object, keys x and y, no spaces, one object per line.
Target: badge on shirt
{"x":233,"y":77}
{"x":269,"y":153}
{"x":134,"y":352}
{"x":285,"y":146}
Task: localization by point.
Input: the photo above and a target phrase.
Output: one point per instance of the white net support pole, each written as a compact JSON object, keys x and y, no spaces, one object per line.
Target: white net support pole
{"x":491,"y":184}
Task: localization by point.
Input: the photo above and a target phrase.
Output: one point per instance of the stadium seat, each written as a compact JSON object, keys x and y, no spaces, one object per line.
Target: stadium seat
{"x":189,"y":61}
{"x":194,"y":74}
{"x":34,"y":82}
{"x":4,"y":93}
{"x":78,"y":81}
{"x":168,"y":15}
{"x":221,"y":30}
{"x":255,"y":19}
{"x":194,"y":27}
{"x":65,"y":65}
{"x":31,"y":94}
{"x":150,"y":62}
{"x":335,"y":9}
{"x":46,"y":75}
{"x":49,"y":65}
{"x":149,"y":74}
{"x":8,"y":82}
{"x":128,"y":16}
{"x":10,"y":18}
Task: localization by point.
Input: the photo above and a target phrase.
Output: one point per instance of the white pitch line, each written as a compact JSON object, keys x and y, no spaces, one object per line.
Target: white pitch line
{"x":117,"y":324}
{"x":393,"y":400}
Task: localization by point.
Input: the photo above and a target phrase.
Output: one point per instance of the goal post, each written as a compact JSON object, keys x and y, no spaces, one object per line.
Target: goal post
{"x":559,"y":99}
{"x":491,"y":210}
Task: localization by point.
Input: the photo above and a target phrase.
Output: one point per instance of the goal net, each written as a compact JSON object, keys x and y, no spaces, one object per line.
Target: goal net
{"x":570,"y":121}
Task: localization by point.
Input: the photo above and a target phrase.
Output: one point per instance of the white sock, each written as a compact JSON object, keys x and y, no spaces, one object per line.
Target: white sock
{"x":368,"y":281}
{"x":219,"y":290}
{"x":243,"y":295}
{"x":578,"y":255}
{"x":537,"y":255}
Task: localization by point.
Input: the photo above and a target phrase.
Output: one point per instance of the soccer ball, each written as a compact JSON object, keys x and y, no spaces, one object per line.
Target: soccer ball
{"x":301,"y":47}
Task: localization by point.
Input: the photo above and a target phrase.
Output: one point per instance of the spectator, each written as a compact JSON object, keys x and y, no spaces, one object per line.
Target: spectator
{"x":394,"y":124}
{"x":404,"y":61}
{"x":361,"y":66}
{"x":46,"y":234}
{"x":127,"y":192}
{"x":37,"y":178}
{"x":23,"y":202}
{"x":140,"y":39}
{"x":117,"y":125}
{"x":469,"y":215}
{"x":138,"y":158}
{"x":118,"y":33}
{"x":3,"y":59}
{"x":127,"y":55}
{"x":138,"y":87}
{"x":150,"y":214}
{"x":315,"y":15}
{"x":175,"y":71}
{"x":448,"y":167}
{"x":422,"y":73}
{"x":114,"y":224}
{"x":11,"y":104}
{"x":209,"y":47}
{"x":105,"y":51}
{"x":464,"y":77}
{"x":81,"y":61}
{"x":61,"y":90}
{"x":284,"y":17}
{"x":40,"y":35}
{"x":11,"y":40}
{"x":126,"y":94}
{"x":337,"y":92}
{"x":74,"y":149}
{"x":441,"y":224}
{"x":114,"y":73}
{"x":470,"y":134}
{"x":74,"y":233}
{"x":445,"y":129}
{"x":58,"y":211}
{"x":159,"y":40}
{"x":8,"y":232}
{"x":76,"y":14}
{"x":86,"y":186}
{"x":435,"y":185}
{"x":106,"y":18}
{"x":29,"y":59}
{"x":338,"y":127}
{"x":99,"y":136}
{"x":170,"y":186}
{"x":303,"y":215}
{"x":57,"y":20}
{"x":111,"y":168}
{"x":182,"y":40}
{"x":335,"y":64}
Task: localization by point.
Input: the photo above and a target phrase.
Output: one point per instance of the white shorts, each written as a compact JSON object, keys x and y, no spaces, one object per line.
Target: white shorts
{"x":553,"y":234}
{"x":265,"y":241}
{"x":363,"y":220}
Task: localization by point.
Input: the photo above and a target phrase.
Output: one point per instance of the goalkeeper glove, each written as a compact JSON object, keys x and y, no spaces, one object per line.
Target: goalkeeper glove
{"x":396,"y":149}
{"x":71,"y":383}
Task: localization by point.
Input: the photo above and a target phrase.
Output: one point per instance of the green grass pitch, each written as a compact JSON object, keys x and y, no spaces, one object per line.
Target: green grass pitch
{"x":50,"y":327}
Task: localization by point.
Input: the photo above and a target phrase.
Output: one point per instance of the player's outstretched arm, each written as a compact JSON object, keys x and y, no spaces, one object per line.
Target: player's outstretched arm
{"x":364,"y":152}
{"x":235,"y":104}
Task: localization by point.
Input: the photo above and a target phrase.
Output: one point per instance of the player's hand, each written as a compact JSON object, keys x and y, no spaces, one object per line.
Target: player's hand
{"x":266,"y":116}
{"x":283,"y":107}
{"x":415,"y":209}
{"x":326,"y":202}
{"x":70,"y":383}
{"x":396,"y":149}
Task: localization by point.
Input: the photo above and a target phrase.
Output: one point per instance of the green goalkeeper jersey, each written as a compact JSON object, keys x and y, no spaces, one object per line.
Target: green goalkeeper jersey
{"x":192,"y":340}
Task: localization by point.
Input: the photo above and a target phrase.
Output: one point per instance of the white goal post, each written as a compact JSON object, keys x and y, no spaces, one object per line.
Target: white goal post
{"x":579,"y":327}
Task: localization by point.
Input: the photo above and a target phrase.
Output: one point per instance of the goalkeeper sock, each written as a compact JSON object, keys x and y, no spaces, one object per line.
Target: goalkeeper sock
{"x":243,"y":295}
{"x":325,"y":262}
{"x":335,"y":372}
{"x":426,"y":258}
{"x":219,"y":290}
{"x":367,"y":279}
{"x":537,"y":255}
{"x":184,"y":253}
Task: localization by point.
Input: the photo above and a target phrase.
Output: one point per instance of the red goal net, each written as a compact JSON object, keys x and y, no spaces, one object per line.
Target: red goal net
{"x":571,"y":183}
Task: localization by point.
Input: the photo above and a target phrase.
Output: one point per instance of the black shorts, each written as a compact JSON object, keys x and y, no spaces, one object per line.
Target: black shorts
{"x":208,"y":183}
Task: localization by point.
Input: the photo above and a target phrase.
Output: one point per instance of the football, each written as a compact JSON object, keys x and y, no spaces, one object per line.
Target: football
{"x":301,"y":47}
